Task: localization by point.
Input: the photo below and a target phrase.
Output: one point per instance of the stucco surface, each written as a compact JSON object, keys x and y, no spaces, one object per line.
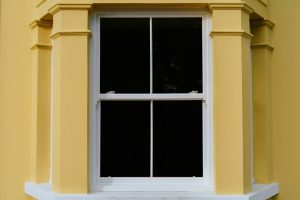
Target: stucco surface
{"x":15,"y":98}
{"x":286,"y":97}
{"x":16,"y":94}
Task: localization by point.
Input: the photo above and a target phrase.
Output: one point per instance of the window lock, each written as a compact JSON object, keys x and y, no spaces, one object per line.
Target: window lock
{"x":194,"y":92}
{"x":111,"y":92}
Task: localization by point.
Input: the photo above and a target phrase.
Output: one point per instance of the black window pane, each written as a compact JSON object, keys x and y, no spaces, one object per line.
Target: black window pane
{"x":125,"y":139}
{"x":125,"y":55}
{"x":177,"y":55}
{"x":177,"y":136}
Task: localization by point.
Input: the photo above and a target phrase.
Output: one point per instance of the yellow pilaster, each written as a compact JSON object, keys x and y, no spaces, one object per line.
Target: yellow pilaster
{"x":262,"y":127}
{"x":231,"y":78}
{"x":70,"y":98}
{"x":40,"y":127}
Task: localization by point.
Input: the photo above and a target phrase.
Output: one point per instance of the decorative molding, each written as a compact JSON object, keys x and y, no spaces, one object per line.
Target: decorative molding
{"x":231,"y":33}
{"x":263,"y":2}
{"x":40,"y":3}
{"x":41,"y":46}
{"x":231,"y":6}
{"x":148,"y":6}
{"x":265,"y":22}
{"x":40,"y":23}
{"x":262,"y":46}
{"x":71,"y":33}
{"x":58,"y":7}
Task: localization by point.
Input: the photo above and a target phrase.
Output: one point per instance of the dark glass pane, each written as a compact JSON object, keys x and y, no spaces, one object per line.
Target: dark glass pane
{"x":177,"y":55}
{"x":125,"y":139}
{"x":125,"y":55}
{"x":177,"y":136}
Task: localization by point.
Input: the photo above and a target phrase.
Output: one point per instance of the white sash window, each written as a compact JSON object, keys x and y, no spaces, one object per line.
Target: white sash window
{"x":151,"y":102}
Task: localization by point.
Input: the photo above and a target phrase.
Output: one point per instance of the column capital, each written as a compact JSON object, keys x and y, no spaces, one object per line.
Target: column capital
{"x":64,"y":16}
{"x":262,"y":30}
{"x":41,"y":30}
{"x":266,"y":22}
{"x":231,"y":6}
{"x":231,"y":19}
{"x":58,"y":7}
{"x":40,"y":23}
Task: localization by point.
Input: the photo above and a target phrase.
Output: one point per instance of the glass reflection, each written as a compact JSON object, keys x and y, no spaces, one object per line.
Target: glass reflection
{"x":177,"y":139}
{"x":177,"y":55}
{"x":125,"y":55}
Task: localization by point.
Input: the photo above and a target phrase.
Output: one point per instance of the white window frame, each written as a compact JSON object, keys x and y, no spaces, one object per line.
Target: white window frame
{"x":98,"y":183}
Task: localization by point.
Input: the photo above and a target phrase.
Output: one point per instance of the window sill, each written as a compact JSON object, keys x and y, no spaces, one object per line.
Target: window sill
{"x":43,"y":192}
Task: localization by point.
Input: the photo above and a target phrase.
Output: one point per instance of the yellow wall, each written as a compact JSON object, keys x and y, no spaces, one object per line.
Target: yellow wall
{"x":15,"y":98}
{"x":18,"y":92}
{"x":286,"y":97}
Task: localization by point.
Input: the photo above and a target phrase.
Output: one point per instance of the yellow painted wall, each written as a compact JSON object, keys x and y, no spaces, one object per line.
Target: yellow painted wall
{"x":15,"y":98}
{"x":286,"y":97}
{"x":16,"y":74}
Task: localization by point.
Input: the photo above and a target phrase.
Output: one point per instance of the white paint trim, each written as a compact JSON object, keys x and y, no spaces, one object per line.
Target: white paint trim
{"x":151,"y":139}
{"x":151,"y":102}
{"x":150,"y":97}
{"x":207,"y":103}
{"x":204,"y":183}
{"x":44,"y":192}
{"x":152,"y":184}
{"x":149,"y":14}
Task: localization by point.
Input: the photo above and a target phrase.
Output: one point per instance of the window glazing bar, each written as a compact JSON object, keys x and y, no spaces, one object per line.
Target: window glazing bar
{"x":151,"y":97}
{"x":151,"y":103}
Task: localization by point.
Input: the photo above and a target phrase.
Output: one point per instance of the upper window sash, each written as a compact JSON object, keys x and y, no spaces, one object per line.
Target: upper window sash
{"x":151,"y":55}
{"x":152,"y":15}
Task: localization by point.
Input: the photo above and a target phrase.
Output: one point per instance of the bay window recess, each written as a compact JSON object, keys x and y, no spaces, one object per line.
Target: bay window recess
{"x":150,"y":109}
{"x":150,"y":105}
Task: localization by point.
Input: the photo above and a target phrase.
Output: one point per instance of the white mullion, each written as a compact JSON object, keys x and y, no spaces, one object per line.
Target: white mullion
{"x":151,"y":139}
{"x":151,"y":58}
{"x":151,"y":102}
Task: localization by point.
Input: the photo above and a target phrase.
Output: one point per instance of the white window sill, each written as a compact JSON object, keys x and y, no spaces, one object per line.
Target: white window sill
{"x":43,"y":192}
